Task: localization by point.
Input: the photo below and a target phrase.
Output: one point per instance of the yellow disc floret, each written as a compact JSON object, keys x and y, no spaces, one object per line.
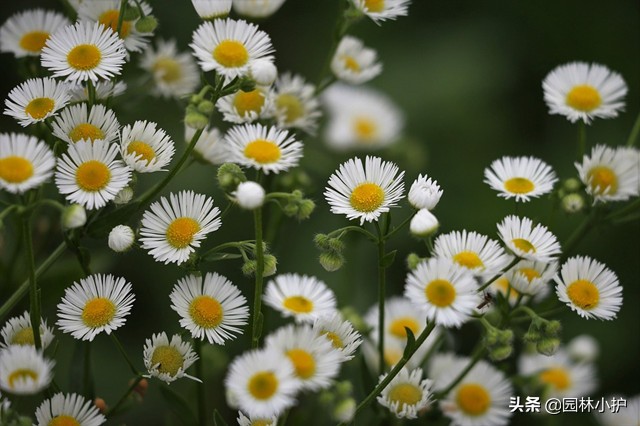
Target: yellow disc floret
{"x":231,"y":54}
{"x":34,"y":41}
{"x":168,"y":70}
{"x":263,"y":385}
{"x":473,"y":399}
{"x":84,"y":57}
{"x":367,"y":197}
{"x":98,"y":312}
{"x":142,"y":151}
{"x":14,"y":169}
{"x":375,"y":6}
{"x":398,"y":325}
{"x":39,"y":108}
{"x":181,"y":231}
{"x":206,"y":311}
{"x":291,"y":107}
{"x":519,"y":185}
{"x":63,"y":420}
{"x":556,"y":377}
{"x":468,"y":259}
{"x":110,"y":19}
{"x":365,"y":129}
{"x":262,"y":151}
{"x":524,"y":245}
{"x":583,"y":294}
{"x":336,"y":341}
{"x":21,"y":374}
{"x":584,"y":98}
{"x":298,"y":304}
{"x":246,"y":102}
{"x":303,"y":363}
{"x":167,"y":359}
{"x":440,"y":293}
{"x":602,"y":180}
{"x":23,"y":337}
{"x":92,"y":176}
{"x":86,"y":131}
{"x":405,"y":393}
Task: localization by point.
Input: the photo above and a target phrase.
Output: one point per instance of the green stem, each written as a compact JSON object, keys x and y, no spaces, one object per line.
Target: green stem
{"x":123,"y":4}
{"x":256,"y":326}
{"x":124,"y":397}
{"x":629,"y":208}
{"x":202,"y":398}
{"x":578,"y":234}
{"x":495,"y":277}
{"x":381,"y":297}
{"x":635,"y":131}
{"x":582,"y":139}
{"x":477,"y":356}
{"x":235,"y":244}
{"x":346,"y":229}
{"x":116,"y":341}
{"x":91,"y":92}
{"x":399,"y":227}
{"x":34,"y":296}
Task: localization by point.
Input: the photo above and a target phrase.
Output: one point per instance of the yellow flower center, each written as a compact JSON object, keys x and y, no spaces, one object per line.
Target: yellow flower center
{"x":261,"y":422}
{"x":110,"y":19}
{"x":365,"y":129}
{"x":440,"y":293}
{"x":351,"y":64}
{"x":39,"y":108}
{"x":291,"y":106}
{"x":206,"y":311}
{"x":519,"y":185}
{"x":263,"y":385}
{"x":262,"y":151}
{"x":303,"y":363}
{"x":231,"y":54}
{"x":181,"y":231}
{"x":86,"y":131}
{"x":245,"y":102}
{"x":503,"y":285}
{"x":142,"y":150}
{"x":523,"y":245}
{"x":405,"y":393}
{"x":84,"y":57}
{"x":468,"y":259}
{"x":98,"y":312}
{"x":602,"y":180}
{"x":21,"y":374}
{"x":473,"y":399}
{"x":63,"y":420}
{"x":336,"y":341}
{"x":375,"y":6}
{"x":168,"y":69}
{"x":15,"y":169}
{"x":23,"y":337}
{"x":367,"y":197}
{"x":556,"y":377}
{"x":298,"y":304}
{"x":529,"y":273}
{"x":584,"y":98}
{"x":92,"y":176}
{"x":583,"y":294}
{"x":397,"y":327}
{"x":168,"y":359}
{"x":34,"y":41}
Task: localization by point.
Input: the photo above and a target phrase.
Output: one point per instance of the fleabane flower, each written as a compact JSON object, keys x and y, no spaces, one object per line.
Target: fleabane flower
{"x":210,"y":307}
{"x":424,"y":193}
{"x":84,"y":51}
{"x":210,"y":146}
{"x":79,"y":122}
{"x":98,"y":303}
{"x":174,"y":74}
{"x":532,"y":278}
{"x":257,"y":8}
{"x":526,"y":241}
{"x":305,"y":298}
{"x":146,"y":148}
{"x":26,"y":32}
{"x":521,"y":178}
{"x":256,"y":420}
{"x":246,"y":107}
{"x":264,"y":148}
{"x":344,"y":338}
{"x":229,"y":46}
{"x":89,"y":174}
{"x":406,"y":394}
{"x":381,"y":10}
{"x":364,"y":191}
{"x":611,"y":174}
{"x":168,"y":360}
{"x":69,"y":409}
{"x":25,"y":162}
{"x":589,"y":288}
{"x":445,"y":290}
{"x":295,"y":103}
{"x":212,"y":9}
{"x":24,"y":370}
{"x":581,"y":91}
{"x":18,"y":331}
{"x":353,"y":62}
{"x":173,"y":228}
{"x":36,"y":100}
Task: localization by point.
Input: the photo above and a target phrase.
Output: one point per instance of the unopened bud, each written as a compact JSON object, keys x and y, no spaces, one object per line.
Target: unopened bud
{"x":344,"y":388}
{"x":532,"y":336}
{"x":344,"y":410}
{"x":548,"y":346}
{"x":305,"y":208}
{"x":501,"y":352}
{"x":124,"y":196}
{"x":572,"y":185}
{"x":196,"y":120}
{"x":230,"y":175}
{"x":572,"y":203}
{"x":249,"y":195}
{"x":263,"y":72}
{"x":206,"y":107}
{"x":147,"y":24}
{"x":583,"y":348}
{"x":424,"y":224}
{"x":413,"y":260}
{"x":121,"y":238}
{"x":249,"y":267}
{"x":141,"y":387}
{"x":74,"y":216}
{"x":130,"y":13}
{"x":552,"y":328}
{"x":100,"y":404}
{"x":331,"y":261}
{"x":270,"y":265}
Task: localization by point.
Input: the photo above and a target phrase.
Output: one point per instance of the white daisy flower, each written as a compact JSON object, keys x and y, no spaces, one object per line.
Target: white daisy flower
{"x":580,"y":91}
{"x":264,"y":383}
{"x":246,"y":107}
{"x":532,"y":278}
{"x":424,"y":193}
{"x":344,"y":338}
{"x":558,"y":375}
{"x":25,"y":162}
{"x":24,"y":370}
{"x":103,"y":90}
{"x":77,"y":122}
{"x":503,"y":286}
{"x":144,"y":148}
{"x":445,"y":290}
{"x":302,"y":297}
{"x":69,"y":409}
{"x":35,"y":100}
{"x":361,"y":118}
{"x":423,"y":224}
{"x":84,"y":51}
{"x":249,"y":195}
{"x":121,"y":238}
{"x":25,"y":33}
{"x":364,"y":191}
{"x":583,"y":348}
{"x":476,"y":252}
{"x":520,"y":177}
{"x":406,"y":394}
{"x":175,"y":74}
{"x":97,"y":303}
{"x":257,"y":8}
{"x":18,"y":331}
{"x":168,"y":360}
{"x":610,"y":174}
{"x":212,"y":9}
{"x":88,"y":174}
{"x":210,"y":146}
{"x":263,"y":72}
{"x":296,"y":105}
{"x":73,"y":216}
{"x":629,"y":414}
{"x":210,"y":307}
{"x":526,"y":241}
{"x":381,"y":10}
{"x":172,"y":229}
{"x":107,"y":13}
{"x":264,"y":148}
{"x":315,"y":363}
{"x":256,"y":421}
{"x":589,"y":288}
{"x":355,"y":63}
{"x":229,"y":46}
{"x":481,"y":398}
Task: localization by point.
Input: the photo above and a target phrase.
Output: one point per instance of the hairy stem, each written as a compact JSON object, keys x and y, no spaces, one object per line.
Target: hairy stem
{"x":256,"y":324}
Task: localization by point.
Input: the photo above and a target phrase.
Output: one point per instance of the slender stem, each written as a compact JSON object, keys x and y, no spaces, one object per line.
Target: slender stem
{"x":399,"y":227}
{"x":123,"y":4}
{"x":495,"y":277}
{"x":635,"y":131}
{"x":629,"y":208}
{"x":91,"y":92}
{"x":202,"y":398}
{"x":582,"y":139}
{"x":124,"y":397}
{"x":233,"y":244}
{"x":578,"y":234}
{"x":116,"y":341}
{"x":477,"y":356}
{"x":381,"y":297}
{"x":256,"y":325}
{"x":346,"y":229}
{"x":34,"y":296}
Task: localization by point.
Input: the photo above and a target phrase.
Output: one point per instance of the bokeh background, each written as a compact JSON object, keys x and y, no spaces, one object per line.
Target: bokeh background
{"x":468,"y":76}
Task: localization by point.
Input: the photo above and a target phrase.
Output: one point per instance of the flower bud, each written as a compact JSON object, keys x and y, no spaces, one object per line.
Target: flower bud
{"x":263,"y":72}
{"x":572,"y":185}
{"x":270,"y":265}
{"x":249,"y":267}
{"x":247,"y":84}
{"x":206,"y":107}
{"x":344,"y":388}
{"x":501,"y":352}
{"x":212,"y":9}
{"x":141,"y":387}
{"x":423,"y":224}
{"x":322,"y":241}
{"x":100,"y":404}
{"x":413,"y":260}
{"x":552,"y":328}
{"x":230,"y":176}
{"x":331,"y":261}
{"x":74,"y":216}
{"x":548,"y":346}
{"x":424,"y":193}
{"x":146,"y":24}
{"x":305,"y":208}
{"x":124,"y":196}
{"x":196,"y":120}
{"x":131,"y":13}
{"x":121,"y":238}
{"x":572,"y":203}
{"x":583,"y":348}
{"x":249,"y":195}
{"x":344,"y":410}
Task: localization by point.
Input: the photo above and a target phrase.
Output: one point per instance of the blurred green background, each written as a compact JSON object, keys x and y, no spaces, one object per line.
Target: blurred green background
{"x":468,"y":76}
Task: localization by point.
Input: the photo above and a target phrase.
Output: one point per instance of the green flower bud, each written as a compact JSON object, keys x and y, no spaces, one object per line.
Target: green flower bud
{"x":331,"y":261}
{"x":147,"y":24}
{"x":548,"y":346}
{"x":74,"y":216}
{"x":413,"y":260}
{"x":196,"y":120}
{"x":501,"y":352}
{"x":492,"y":337}
{"x":230,"y":176}
{"x":572,"y":203}
{"x":247,"y":85}
{"x":249,"y":267}
{"x":131,"y":13}
{"x":305,"y":208}
{"x":552,"y":328}
{"x":326,"y":398}
{"x":291,"y":209}
{"x":345,"y":410}
{"x":270,"y":265}
{"x":572,"y":185}
{"x":532,"y":336}
{"x":321,"y":241}
{"x":344,"y":388}
{"x":206,"y":107}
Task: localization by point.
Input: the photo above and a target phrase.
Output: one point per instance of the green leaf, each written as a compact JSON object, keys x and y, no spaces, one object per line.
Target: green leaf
{"x":217,"y":419}
{"x":179,"y":406}
{"x":103,"y":225}
{"x":388,"y":258}
{"x":411,"y":342}
{"x":213,"y":257}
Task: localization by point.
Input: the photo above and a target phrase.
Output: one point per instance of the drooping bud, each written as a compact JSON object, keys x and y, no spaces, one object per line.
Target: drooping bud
{"x":263,"y":72}
{"x":572,"y":203}
{"x":230,"y":175}
{"x":270,"y":265}
{"x":344,"y":410}
{"x":74,"y":216}
{"x":124,"y":196}
{"x":331,"y":261}
{"x":548,"y":346}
